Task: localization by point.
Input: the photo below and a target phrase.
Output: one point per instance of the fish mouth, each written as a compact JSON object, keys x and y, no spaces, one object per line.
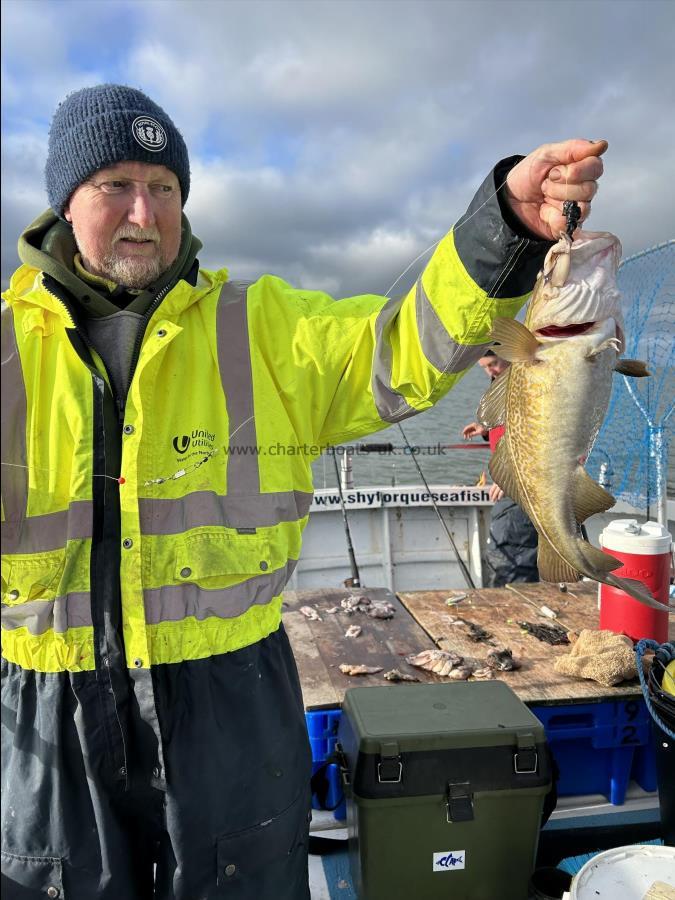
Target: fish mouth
{"x":563,"y":331}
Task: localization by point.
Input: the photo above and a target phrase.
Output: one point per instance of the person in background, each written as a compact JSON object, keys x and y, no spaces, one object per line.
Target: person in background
{"x":513,"y":541}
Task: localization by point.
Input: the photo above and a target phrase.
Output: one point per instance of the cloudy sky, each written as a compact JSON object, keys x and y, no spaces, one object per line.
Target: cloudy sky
{"x":332,"y":142}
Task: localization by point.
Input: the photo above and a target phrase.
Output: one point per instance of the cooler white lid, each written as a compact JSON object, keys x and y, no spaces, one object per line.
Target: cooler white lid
{"x":630,"y":536}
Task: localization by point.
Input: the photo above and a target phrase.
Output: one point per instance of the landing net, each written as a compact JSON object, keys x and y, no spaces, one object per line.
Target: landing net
{"x":630,"y":456}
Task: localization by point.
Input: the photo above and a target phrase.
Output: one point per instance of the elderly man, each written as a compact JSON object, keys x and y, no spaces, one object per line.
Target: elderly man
{"x":153,"y":734}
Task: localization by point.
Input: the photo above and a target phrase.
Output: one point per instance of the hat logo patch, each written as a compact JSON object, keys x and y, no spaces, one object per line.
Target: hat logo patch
{"x":149,"y":133}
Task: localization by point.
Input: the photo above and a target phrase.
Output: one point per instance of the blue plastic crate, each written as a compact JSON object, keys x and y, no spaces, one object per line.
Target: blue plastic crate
{"x":599,"y":746}
{"x":322,"y":728}
{"x":644,"y":765}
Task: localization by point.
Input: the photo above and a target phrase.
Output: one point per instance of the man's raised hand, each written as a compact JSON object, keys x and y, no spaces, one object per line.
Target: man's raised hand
{"x":539,"y":185}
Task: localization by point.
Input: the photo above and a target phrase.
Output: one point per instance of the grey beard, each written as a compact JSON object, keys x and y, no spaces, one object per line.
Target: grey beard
{"x":133,"y":272}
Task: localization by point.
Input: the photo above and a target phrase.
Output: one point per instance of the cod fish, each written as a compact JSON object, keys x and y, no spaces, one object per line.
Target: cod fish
{"x":553,"y":399}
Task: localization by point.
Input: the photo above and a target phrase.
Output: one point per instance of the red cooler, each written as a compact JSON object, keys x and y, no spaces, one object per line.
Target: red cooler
{"x":644,"y":551}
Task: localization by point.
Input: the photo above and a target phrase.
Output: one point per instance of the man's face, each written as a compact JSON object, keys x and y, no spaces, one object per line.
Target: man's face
{"x":493,"y":365}
{"x":127,"y":222}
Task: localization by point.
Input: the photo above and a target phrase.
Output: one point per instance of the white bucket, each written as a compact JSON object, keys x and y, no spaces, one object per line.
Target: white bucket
{"x":624,"y":873}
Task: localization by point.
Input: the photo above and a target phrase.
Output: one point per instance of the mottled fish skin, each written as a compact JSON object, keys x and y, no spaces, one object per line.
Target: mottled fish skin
{"x":554,"y":410}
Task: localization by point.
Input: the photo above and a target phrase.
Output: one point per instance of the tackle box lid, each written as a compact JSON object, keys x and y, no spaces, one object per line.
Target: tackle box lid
{"x":438,"y":716}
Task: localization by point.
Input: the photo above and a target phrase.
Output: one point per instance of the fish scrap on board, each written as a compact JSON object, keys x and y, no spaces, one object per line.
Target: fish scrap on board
{"x":376,"y":609}
{"x":440,"y":662}
{"x":396,"y":675}
{"x":502,"y":660}
{"x":352,"y":669}
{"x":310,"y":613}
{"x":553,"y":399}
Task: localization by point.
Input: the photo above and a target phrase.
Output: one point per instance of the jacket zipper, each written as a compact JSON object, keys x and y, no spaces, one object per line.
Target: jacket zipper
{"x":120,"y":403}
{"x":140,"y":334}
{"x":96,"y":375}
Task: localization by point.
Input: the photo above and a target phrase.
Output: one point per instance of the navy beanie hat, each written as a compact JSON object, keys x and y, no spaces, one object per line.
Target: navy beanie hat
{"x":98,"y":126}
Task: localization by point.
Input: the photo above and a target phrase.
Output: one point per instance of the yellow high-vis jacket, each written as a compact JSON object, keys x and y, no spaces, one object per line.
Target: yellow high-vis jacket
{"x":237,"y":389}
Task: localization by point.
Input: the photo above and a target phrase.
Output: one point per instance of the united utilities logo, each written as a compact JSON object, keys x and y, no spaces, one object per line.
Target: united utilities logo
{"x":181,"y":444}
{"x":449,"y":860}
{"x":197,"y":442}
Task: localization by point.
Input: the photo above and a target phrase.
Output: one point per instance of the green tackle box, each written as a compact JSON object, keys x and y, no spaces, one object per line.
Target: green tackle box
{"x":445,"y":785}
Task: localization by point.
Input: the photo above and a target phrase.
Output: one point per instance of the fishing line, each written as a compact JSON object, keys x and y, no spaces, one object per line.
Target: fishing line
{"x":454,"y":228}
{"x":462,"y":565}
{"x":498,"y":281}
{"x":119,"y":480}
{"x":457,"y":227}
{"x":356,"y":578}
{"x":161,"y":479}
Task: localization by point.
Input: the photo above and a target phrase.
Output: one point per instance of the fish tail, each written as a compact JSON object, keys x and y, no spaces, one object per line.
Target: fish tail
{"x":600,"y":567}
{"x":637,"y":590}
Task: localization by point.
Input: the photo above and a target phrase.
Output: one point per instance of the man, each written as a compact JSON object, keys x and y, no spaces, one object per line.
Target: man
{"x":159,"y":423}
{"x":513,"y":541}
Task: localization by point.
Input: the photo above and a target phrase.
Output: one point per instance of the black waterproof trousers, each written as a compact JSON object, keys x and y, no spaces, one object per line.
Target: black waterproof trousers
{"x":512,"y":546}
{"x":233,"y":821}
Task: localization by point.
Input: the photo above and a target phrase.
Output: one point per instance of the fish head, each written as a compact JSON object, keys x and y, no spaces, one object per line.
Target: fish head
{"x":576,"y":291}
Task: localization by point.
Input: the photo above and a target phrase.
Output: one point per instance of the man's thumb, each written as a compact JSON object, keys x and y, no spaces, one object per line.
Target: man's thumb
{"x":581,"y":149}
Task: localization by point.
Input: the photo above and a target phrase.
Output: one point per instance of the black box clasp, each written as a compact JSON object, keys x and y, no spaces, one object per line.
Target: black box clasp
{"x":525,"y":759}
{"x":459,"y":802}
{"x":390,"y":767}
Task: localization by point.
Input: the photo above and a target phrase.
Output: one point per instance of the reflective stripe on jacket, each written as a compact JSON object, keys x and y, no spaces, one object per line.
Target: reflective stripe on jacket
{"x":236,"y":391}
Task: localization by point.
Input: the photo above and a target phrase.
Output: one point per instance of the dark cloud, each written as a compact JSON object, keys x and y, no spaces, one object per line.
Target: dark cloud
{"x":333,"y":142}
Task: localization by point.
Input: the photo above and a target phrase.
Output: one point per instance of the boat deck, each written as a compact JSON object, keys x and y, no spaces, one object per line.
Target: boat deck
{"x":423,"y":620}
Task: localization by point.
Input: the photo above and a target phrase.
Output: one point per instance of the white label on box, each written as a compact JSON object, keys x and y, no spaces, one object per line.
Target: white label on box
{"x":449,"y":860}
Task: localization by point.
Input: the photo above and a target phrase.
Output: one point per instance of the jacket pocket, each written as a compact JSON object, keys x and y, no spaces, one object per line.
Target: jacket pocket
{"x":214,"y":559}
{"x":268,"y":860}
{"x":30,"y":587}
{"x":32,"y":577}
{"x":32,"y":877}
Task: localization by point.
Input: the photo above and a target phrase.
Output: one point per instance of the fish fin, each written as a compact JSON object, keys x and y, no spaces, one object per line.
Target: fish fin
{"x":516,"y":342}
{"x":492,"y":407}
{"x":637,"y":590}
{"x":634,"y":368}
{"x":589,"y":497}
{"x":501,"y":469}
{"x":551,"y":566}
{"x":599,"y":562}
